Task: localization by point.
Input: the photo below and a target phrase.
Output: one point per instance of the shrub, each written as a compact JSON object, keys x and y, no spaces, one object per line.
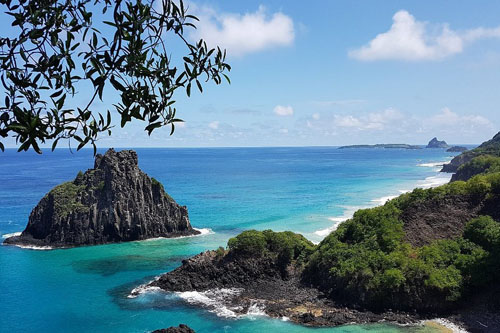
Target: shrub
{"x":250,"y":242}
{"x":484,"y":231}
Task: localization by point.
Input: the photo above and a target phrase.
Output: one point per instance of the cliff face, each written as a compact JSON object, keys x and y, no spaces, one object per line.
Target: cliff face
{"x":113,"y":202}
{"x":490,"y":147}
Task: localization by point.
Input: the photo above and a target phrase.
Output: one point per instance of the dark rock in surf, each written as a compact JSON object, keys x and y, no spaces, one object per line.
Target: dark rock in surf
{"x":180,"y":329}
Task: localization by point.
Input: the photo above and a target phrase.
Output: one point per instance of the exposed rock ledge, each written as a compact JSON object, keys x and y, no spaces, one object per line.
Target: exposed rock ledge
{"x":113,"y":202}
{"x":279,"y":293}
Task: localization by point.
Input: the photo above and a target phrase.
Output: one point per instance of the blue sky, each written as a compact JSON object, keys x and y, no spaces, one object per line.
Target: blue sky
{"x":340,"y":72}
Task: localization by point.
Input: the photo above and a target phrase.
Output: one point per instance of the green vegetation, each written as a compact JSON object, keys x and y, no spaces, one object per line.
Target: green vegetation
{"x":156,"y":183}
{"x":367,"y":259}
{"x":59,"y":46}
{"x":65,"y":198}
{"x":478,"y":165}
{"x":285,"y":246}
{"x":100,"y":185}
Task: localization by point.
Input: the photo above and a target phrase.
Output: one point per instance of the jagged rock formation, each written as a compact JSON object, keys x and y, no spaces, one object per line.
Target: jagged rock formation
{"x":113,"y":202}
{"x":435,"y":143}
{"x":180,"y":329}
{"x":456,"y":149}
{"x":490,"y":147}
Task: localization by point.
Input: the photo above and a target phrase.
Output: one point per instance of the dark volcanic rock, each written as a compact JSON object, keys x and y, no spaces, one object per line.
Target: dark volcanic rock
{"x":435,"y":143}
{"x":490,"y":147}
{"x":456,"y":149}
{"x":261,"y":283}
{"x":180,"y":329}
{"x":113,"y":202}
{"x":443,"y":218}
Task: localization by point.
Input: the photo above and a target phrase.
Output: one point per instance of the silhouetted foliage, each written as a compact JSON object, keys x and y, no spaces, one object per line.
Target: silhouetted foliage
{"x":59,"y":48}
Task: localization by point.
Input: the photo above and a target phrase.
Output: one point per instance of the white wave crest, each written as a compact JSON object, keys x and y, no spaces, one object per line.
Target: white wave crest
{"x":203,"y":232}
{"x":382,"y":200}
{"x":348,"y":213}
{"x":434,"y":181}
{"x":32,"y":247}
{"x":214,"y":300}
{"x":255,"y":310}
{"x":144,"y":288}
{"x":433,"y":164}
{"x":11,"y":235}
{"x":448,"y":324}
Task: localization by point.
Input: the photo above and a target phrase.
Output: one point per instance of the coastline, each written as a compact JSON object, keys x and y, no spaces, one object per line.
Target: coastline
{"x":440,"y":178}
{"x":202,"y":232}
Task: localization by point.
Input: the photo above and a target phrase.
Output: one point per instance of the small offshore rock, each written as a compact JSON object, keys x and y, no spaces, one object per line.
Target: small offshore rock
{"x":180,"y":329}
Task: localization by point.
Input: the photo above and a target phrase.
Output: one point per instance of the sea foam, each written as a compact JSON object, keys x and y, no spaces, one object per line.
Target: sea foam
{"x":214,"y":300}
{"x":11,"y":235}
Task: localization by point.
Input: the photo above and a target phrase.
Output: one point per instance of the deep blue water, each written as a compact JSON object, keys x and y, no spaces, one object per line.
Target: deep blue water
{"x":227,"y":190}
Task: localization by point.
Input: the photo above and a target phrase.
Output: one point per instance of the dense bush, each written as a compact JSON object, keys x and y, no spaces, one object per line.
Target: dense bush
{"x":285,"y":246}
{"x":478,"y":165}
{"x":366,"y":261}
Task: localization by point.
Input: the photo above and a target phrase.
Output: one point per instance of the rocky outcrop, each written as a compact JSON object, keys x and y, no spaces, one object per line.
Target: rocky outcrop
{"x":456,"y":149}
{"x":113,"y":202}
{"x":258,"y":282}
{"x":490,"y":147}
{"x":435,"y":143}
{"x":443,"y":218}
{"x":180,"y":329}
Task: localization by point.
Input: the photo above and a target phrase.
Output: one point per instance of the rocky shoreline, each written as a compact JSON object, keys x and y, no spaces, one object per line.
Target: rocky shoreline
{"x":261,"y":284}
{"x":278,"y":294}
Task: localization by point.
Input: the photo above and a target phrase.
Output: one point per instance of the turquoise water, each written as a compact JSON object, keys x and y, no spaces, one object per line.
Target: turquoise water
{"x":227,"y":190}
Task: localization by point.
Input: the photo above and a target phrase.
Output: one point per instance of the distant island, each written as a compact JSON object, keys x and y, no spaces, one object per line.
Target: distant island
{"x":456,"y":149}
{"x":425,"y":254}
{"x":434,"y":143}
{"x":383,"y":145}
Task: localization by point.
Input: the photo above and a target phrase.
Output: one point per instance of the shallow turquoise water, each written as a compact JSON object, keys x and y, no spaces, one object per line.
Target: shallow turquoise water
{"x":227,"y":190}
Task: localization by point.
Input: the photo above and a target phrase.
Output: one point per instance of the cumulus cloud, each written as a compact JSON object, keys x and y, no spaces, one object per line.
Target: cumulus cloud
{"x":409,"y":39}
{"x":370,"y":121}
{"x":214,"y":124}
{"x":449,"y":120}
{"x":245,"y":33}
{"x":283,"y":110}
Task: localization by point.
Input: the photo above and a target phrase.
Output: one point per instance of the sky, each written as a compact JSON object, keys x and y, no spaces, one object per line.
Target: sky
{"x":329,"y":73}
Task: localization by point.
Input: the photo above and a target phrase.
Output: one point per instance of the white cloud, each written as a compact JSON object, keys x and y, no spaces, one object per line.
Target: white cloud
{"x":370,"y":121}
{"x":283,"y":130}
{"x":409,"y":39}
{"x":316,"y":116}
{"x":449,"y":120}
{"x":243,"y":33}
{"x":214,"y":124}
{"x":283,"y":110}
{"x":347,"y":121}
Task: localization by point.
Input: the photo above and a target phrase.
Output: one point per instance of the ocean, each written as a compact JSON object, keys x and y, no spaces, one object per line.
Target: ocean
{"x":227,"y":190}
